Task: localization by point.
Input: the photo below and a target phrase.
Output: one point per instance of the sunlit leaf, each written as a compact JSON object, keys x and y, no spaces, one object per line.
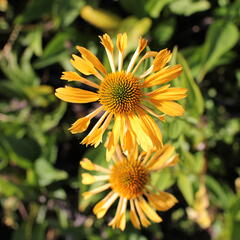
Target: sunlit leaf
{"x":186,"y":188}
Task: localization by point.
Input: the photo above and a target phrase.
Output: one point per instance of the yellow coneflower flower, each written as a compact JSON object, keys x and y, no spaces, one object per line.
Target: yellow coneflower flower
{"x":129,"y":180}
{"x":121,"y":94}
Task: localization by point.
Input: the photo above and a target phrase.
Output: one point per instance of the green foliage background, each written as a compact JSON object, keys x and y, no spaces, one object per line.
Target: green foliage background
{"x":39,"y":159}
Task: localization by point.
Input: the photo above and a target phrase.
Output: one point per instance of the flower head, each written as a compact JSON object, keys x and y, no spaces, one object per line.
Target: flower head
{"x":129,"y":180}
{"x":123,"y":95}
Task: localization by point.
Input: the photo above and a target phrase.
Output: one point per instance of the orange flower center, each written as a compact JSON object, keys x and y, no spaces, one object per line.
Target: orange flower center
{"x":120,"y":92}
{"x":128,"y":178}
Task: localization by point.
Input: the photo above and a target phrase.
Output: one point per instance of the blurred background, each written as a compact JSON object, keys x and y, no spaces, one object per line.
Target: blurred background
{"x":40,"y":188}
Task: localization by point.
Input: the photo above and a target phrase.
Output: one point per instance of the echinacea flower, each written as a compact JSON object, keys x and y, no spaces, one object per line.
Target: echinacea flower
{"x":122,"y":94}
{"x":128,"y":180}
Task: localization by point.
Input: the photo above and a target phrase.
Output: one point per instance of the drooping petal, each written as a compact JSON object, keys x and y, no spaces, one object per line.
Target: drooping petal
{"x":82,"y":123}
{"x":113,"y":137}
{"x":133,"y":216}
{"x":96,"y":134}
{"x":127,"y":136}
{"x":101,"y":208}
{"x":148,"y":210}
{"x":151,"y":128}
{"x":161,"y":201}
{"x":144,"y":221}
{"x":160,"y":157}
{"x":76,"y":95}
{"x":163,"y":76}
{"x":73,"y":76}
{"x":141,"y":133}
{"x":86,"y":54}
{"x":119,"y":221}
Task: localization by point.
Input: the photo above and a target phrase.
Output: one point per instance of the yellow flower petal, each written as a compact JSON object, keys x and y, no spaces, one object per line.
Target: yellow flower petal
{"x":87,"y":178}
{"x":169,"y":107}
{"x":75,"y":95}
{"x":164,"y":75}
{"x":88,"y":165}
{"x":90,"y":179}
{"x":95,"y":138}
{"x":162,"y":201}
{"x":106,"y":41}
{"x":86,"y":54}
{"x":96,"y":190}
{"x":142,"y":43}
{"x":101,"y":208}
{"x":162,"y":58}
{"x":140,"y":132}
{"x":82,"y":123}
{"x":151,"y":128}
{"x":144,"y":221}
{"x":121,"y":42}
{"x":169,"y":94}
{"x":82,"y":65}
{"x":113,"y":137}
{"x":73,"y":76}
{"x":133,"y":216}
{"x":151,"y":214}
{"x":160,"y":157}
{"x":119,"y":221}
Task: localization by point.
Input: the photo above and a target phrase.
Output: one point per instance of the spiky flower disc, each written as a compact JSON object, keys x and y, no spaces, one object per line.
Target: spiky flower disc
{"x":120,"y":92}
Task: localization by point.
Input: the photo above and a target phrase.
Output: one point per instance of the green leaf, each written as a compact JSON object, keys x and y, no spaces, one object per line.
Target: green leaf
{"x":21,"y":75}
{"x":186,"y":188}
{"x":8,"y":188}
{"x":189,"y":7}
{"x":220,"y":194}
{"x":174,"y":128}
{"x":35,"y":10}
{"x":54,"y":51}
{"x":52,"y":119}
{"x":130,"y":6}
{"x":163,"y":180}
{"x":22,"y":152}
{"x":194,"y":101}
{"x":164,"y":31}
{"x":34,"y":41}
{"x":221,"y":37}
{"x":47,"y":174}
{"x":154,"y":7}
{"x":67,"y":11}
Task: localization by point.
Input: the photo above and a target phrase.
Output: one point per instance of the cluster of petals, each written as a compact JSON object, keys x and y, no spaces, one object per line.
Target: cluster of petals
{"x":125,"y":95}
{"x":124,"y":181}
